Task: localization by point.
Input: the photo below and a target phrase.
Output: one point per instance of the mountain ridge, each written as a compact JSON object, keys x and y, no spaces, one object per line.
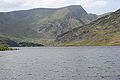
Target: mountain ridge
{"x":101,"y":32}
{"x":26,"y":23}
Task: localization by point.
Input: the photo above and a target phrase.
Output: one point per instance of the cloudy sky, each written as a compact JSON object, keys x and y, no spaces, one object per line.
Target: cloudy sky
{"x":91,"y":6}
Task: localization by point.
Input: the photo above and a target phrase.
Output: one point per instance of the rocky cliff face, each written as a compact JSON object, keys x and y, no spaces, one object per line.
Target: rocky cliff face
{"x":104,"y":31}
{"x":42,"y":22}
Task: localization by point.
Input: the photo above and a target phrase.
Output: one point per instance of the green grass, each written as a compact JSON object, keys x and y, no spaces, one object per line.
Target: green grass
{"x":56,"y":16}
{"x":98,"y":40}
{"x":4,"y":48}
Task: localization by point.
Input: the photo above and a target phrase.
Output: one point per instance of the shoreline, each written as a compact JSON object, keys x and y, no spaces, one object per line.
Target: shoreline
{"x":6,"y":48}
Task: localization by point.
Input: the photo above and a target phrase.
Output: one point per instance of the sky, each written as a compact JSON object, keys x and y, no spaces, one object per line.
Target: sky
{"x":91,"y":6}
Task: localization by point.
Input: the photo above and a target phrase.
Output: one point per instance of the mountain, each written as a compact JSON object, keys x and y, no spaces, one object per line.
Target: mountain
{"x":43,"y":23}
{"x":103,"y":32}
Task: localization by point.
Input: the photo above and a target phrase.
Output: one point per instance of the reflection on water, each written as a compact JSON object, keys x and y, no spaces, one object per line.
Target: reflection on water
{"x":61,"y":63}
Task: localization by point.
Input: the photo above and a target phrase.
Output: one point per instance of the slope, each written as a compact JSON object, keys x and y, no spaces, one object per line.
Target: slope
{"x":43,"y":23}
{"x":103,"y":32}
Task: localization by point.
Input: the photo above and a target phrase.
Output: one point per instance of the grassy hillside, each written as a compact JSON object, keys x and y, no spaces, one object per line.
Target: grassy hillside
{"x":103,"y":32}
{"x":63,"y":20}
{"x":43,"y":23}
{"x":7,"y":42}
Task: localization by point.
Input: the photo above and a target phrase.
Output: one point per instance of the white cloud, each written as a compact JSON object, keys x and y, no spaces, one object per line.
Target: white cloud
{"x":23,"y":4}
{"x":6,"y":4}
{"x":92,"y":3}
{"x":45,"y":3}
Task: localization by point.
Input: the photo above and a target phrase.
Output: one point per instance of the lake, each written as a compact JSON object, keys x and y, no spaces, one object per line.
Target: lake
{"x":61,"y":63}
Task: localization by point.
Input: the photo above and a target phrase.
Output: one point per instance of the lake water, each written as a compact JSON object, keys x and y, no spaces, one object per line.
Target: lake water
{"x":61,"y":63}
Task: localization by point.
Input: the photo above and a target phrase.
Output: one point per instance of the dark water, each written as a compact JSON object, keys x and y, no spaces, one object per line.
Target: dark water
{"x":61,"y":63}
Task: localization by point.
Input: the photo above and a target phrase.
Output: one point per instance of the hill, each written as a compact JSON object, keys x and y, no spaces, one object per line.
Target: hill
{"x":103,"y":32}
{"x":7,"y":42}
{"x":43,"y":23}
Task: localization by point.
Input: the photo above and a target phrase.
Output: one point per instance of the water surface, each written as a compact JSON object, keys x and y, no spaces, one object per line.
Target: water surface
{"x":61,"y":63}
